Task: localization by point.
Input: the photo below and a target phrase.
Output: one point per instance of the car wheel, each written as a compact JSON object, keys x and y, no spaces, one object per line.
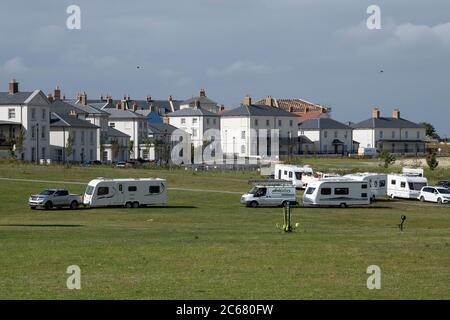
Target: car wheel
{"x":285,"y":203}
{"x":128,"y":205}
{"x":422,"y":199}
{"x":33,"y":208}
{"x":135,"y":204}
{"x":73,"y":205}
{"x":343,"y":205}
{"x":439,"y":201}
{"x":48,"y":205}
{"x":253,"y":204}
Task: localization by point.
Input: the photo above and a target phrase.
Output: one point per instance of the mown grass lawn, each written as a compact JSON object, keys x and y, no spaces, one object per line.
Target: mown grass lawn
{"x":207,"y":246}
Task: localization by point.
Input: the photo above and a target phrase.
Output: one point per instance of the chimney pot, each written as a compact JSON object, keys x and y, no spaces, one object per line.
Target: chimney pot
{"x":170,"y":98}
{"x":202,"y":93}
{"x":13,"y":86}
{"x":376,"y":113}
{"x":396,"y":114}
{"x":247,"y":100}
{"x":57,"y":93}
{"x":149,"y":99}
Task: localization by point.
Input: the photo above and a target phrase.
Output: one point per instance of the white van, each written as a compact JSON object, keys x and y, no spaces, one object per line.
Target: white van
{"x":405,"y":186}
{"x":131,"y":193}
{"x":340,"y":192}
{"x":270,"y":193}
{"x":299,"y":176}
{"x":377,"y":182}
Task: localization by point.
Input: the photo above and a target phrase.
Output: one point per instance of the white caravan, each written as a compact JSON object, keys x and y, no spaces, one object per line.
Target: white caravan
{"x":377,"y":182}
{"x":270,"y":193}
{"x":340,"y":192}
{"x":299,"y":176}
{"x":131,"y":193}
{"x":405,"y":186}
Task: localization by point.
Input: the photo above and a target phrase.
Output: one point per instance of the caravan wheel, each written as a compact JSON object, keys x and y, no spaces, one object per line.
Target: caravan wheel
{"x":128,"y":205}
{"x":135,"y":204}
{"x":343,"y":205}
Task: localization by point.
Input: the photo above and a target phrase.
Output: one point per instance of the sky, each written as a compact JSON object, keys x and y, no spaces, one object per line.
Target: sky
{"x":317,"y":50}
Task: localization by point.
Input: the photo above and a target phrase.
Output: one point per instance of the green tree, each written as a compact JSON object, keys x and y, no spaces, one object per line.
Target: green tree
{"x":130,"y":146}
{"x":69,"y":147}
{"x":115,"y":147}
{"x":20,"y":141}
{"x":430,"y":130}
{"x":387,"y":158}
{"x":432,"y":161}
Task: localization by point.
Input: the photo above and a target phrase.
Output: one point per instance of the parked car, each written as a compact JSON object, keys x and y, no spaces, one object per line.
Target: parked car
{"x":444,"y":183}
{"x":54,"y":198}
{"x":435,"y":194}
{"x":121,"y":164}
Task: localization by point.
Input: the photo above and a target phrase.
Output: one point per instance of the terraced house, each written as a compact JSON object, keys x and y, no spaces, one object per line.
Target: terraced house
{"x":24,"y":124}
{"x":394,"y":134}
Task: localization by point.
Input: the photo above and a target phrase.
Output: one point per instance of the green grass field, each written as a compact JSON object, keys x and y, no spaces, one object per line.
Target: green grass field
{"x":207,"y":246}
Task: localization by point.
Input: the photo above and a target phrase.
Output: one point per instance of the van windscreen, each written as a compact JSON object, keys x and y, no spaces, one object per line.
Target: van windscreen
{"x":416,"y":185}
{"x":310,"y":190}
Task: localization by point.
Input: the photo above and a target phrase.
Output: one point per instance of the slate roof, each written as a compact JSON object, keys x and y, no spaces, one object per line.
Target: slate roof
{"x":115,"y":113}
{"x":159,"y":128}
{"x":257,"y":110}
{"x":384,"y":122}
{"x":201,"y":99}
{"x":66,"y":120}
{"x":20,"y":97}
{"x":192,"y":112}
{"x":59,"y":106}
{"x":322,"y":123}
{"x":116,"y":133}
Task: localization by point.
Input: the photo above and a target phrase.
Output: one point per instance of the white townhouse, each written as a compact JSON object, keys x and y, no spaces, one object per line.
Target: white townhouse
{"x":24,"y":124}
{"x":195,"y":121}
{"x":238,"y":137}
{"x":130,"y":123}
{"x":72,"y":138}
{"x":201,"y":101}
{"x":327,"y":136}
{"x":394,"y":134}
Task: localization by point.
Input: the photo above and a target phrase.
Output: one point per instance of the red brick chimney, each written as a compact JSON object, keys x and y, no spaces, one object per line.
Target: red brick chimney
{"x":247,"y":100}
{"x":57,"y":93}
{"x":376,"y":113}
{"x":396,"y":114}
{"x":13,"y":86}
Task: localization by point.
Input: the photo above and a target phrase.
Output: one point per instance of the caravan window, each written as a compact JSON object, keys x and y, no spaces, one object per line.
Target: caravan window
{"x":102,"y":191}
{"x":325,"y":191}
{"x":403,"y":185}
{"x":154,"y":189}
{"x":132,"y":188}
{"x":290,"y":174}
{"x":120,"y":187}
{"x":363,"y":195}
{"x":310,"y":190}
{"x":89,"y":190}
{"x":285,"y":172}
{"x":382,"y":183}
{"x":393,"y":182}
{"x":364,"y":186}
{"x":416,"y":185}
{"x":341,"y":191}
{"x":298,"y":175}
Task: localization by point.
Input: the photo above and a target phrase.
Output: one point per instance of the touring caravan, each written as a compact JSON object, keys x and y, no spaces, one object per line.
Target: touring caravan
{"x":405,"y":186}
{"x":377,"y":183}
{"x":270,"y":193}
{"x":131,"y":193}
{"x":340,"y":192}
{"x":299,"y":176}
